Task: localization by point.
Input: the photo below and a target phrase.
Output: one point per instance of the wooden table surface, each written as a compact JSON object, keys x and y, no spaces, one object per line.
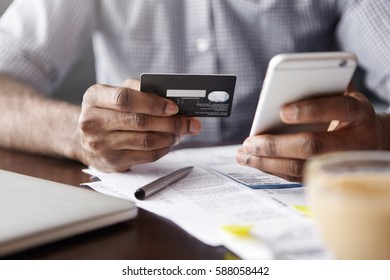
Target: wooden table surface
{"x":146,"y":237}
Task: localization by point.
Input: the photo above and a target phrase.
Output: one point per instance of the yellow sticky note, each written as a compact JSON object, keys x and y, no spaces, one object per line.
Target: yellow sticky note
{"x":230,"y":256}
{"x":239,"y":230}
{"x":305,"y":210}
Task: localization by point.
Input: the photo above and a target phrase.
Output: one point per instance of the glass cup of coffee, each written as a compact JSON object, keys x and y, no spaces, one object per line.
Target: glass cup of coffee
{"x":349,"y":197}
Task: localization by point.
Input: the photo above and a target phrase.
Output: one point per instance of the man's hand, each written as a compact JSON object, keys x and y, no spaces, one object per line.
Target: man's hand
{"x":120,"y":127}
{"x":357,"y":128}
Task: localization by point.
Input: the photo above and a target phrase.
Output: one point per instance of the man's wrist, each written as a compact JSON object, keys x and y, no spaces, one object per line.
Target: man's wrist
{"x":73,"y":150}
{"x":384,"y":121}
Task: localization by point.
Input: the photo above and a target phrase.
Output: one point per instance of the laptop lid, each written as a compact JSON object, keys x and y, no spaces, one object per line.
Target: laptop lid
{"x":34,"y":211}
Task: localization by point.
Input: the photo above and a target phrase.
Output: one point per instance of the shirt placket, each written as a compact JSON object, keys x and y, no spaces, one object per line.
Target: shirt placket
{"x":201,"y":54}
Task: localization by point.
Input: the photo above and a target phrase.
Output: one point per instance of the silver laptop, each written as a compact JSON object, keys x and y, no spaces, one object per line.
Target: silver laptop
{"x":35,"y":211}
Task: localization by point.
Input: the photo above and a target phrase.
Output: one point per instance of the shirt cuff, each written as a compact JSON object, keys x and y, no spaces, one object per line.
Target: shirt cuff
{"x":28,"y":67}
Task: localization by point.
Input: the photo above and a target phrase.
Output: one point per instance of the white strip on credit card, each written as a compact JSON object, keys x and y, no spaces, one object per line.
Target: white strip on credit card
{"x":186,"y":93}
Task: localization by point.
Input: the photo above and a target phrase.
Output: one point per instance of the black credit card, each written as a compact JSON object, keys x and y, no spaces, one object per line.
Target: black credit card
{"x":196,"y":95}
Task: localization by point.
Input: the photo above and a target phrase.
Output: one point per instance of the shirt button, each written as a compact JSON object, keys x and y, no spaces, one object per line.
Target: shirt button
{"x":202,"y":45}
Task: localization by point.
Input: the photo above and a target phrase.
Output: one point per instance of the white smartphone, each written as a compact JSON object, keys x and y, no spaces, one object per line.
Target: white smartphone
{"x":298,"y":76}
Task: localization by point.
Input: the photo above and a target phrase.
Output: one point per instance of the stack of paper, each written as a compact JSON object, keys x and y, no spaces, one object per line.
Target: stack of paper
{"x":212,"y":205}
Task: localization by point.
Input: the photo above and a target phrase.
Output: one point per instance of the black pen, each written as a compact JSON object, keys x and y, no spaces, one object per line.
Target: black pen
{"x":162,"y":183}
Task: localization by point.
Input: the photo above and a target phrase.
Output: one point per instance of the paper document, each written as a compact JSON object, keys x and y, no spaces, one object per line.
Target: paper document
{"x":208,"y":199}
{"x":222,"y":160}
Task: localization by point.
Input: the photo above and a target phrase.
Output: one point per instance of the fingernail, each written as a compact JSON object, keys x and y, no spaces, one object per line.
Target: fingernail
{"x":194,"y":126}
{"x":249,"y":146}
{"x":171,"y":108}
{"x":242,"y":157}
{"x":177,"y":140}
{"x":289,"y":113}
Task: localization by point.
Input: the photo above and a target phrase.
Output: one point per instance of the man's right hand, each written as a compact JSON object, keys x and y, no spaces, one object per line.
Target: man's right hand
{"x":120,"y":127}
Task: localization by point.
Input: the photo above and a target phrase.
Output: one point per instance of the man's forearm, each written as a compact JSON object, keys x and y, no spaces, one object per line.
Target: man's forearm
{"x":31,"y":122}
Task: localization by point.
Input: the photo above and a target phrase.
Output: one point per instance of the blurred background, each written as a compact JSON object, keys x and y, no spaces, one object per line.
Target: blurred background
{"x":82,"y":75}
